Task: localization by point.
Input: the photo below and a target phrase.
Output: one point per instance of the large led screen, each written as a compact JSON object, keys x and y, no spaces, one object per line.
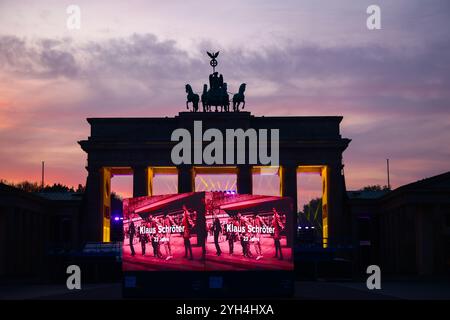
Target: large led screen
{"x":207,"y":231}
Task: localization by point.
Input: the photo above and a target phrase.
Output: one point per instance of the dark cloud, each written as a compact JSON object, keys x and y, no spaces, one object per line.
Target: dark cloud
{"x":37,"y":59}
{"x":401,"y":76}
{"x":387,"y":93}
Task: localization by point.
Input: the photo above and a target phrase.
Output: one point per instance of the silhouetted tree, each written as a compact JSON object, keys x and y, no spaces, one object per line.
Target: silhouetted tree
{"x":375,"y":187}
{"x":313,"y":212}
{"x":57,"y":187}
{"x":25,"y":186}
{"x":116,"y":196}
{"x":36,"y":187}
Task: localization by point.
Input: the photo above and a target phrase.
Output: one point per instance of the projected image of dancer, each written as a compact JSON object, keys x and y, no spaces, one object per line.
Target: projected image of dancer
{"x":245,"y":236}
{"x":202,"y":235}
{"x":188,"y":225}
{"x":143,"y":239}
{"x":258,"y":223}
{"x":206,"y":231}
{"x":131,"y":233}
{"x":278,"y":226}
{"x":167,"y":222}
{"x":217,"y":229}
{"x":156,"y":236}
{"x":232,"y":235}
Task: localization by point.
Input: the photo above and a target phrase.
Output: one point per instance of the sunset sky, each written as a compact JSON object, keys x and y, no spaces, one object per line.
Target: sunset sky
{"x":133,"y":58}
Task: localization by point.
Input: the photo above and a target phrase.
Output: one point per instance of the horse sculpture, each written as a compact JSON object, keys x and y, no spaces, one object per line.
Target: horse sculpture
{"x":217,"y":94}
{"x":239,"y":97}
{"x":205,"y":105}
{"x":191,"y":97}
{"x":225,"y":98}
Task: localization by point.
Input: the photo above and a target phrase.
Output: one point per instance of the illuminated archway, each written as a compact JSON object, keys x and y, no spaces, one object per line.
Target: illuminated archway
{"x":158,"y":180}
{"x":163,"y":180}
{"x":107,"y":174}
{"x":323,"y":171}
{"x":215,"y":179}
{"x":266,"y":180}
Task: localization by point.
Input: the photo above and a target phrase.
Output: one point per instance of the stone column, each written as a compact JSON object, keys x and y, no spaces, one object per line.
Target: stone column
{"x":244,"y":181}
{"x":140,"y":181}
{"x":185,"y":179}
{"x":289,"y":184}
{"x":339,"y":223}
{"x":92,"y":215}
{"x":289,"y":189}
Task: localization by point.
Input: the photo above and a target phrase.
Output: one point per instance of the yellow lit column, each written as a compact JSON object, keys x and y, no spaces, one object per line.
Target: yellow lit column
{"x":325,"y":191}
{"x":105,"y":192}
{"x":325,"y":174}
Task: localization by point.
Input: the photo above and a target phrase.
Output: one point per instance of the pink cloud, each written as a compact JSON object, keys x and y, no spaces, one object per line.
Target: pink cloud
{"x":393,"y":107}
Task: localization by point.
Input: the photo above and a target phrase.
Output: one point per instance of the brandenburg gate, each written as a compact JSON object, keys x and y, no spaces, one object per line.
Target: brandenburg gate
{"x":142,"y":147}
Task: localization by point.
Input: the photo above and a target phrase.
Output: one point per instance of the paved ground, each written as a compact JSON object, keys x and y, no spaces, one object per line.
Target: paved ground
{"x":305,"y":290}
